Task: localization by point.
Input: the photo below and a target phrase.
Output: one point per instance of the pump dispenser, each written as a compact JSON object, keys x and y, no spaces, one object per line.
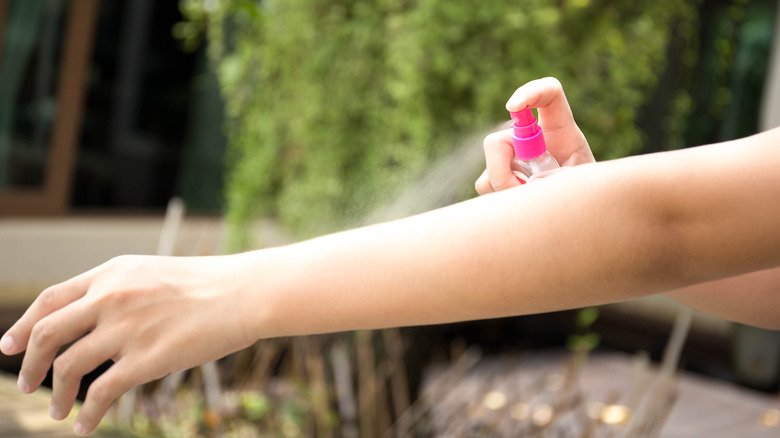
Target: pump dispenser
{"x":531,"y":155}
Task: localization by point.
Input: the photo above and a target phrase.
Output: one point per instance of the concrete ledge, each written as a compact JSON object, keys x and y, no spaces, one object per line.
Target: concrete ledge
{"x":36,"y":253}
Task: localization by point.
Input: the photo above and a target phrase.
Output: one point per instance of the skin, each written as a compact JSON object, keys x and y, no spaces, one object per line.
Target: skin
{"x":565,"y":141}
{"x":596,"y":233}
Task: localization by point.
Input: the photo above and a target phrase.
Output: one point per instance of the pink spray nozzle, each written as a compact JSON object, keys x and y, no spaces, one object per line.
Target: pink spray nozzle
{"x":526,"y":135}
{"x":523,"y":117}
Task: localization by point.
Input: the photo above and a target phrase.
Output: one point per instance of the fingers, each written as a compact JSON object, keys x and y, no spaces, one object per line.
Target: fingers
{"x":498,"y":157}
{"x":564,"y":138}
{"x":117,"y":380}
{"x":547,"y":95}
{"x":47,"y":336}
{"x":79,"y":359}
{"x":50,"y":300}
{"x":537,"y":94}
{"x":482,"y":185}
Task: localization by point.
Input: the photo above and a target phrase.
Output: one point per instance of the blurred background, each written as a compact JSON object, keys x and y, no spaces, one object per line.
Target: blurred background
{"x":275,"y":121}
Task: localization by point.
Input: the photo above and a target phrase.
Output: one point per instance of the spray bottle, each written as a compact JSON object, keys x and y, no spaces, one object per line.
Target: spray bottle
{"x":531,"y":155}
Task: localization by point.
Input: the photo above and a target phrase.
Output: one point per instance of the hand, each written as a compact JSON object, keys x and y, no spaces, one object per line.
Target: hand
{"x":151,"y":316}
{"x":562,"y":135}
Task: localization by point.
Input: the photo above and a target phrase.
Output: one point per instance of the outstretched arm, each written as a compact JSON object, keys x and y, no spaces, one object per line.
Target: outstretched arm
{"x":597,"y":233}
{"x":594,"y":234}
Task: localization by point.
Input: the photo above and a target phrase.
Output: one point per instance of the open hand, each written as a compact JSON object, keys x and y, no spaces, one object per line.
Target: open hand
{"x":150,"y":315}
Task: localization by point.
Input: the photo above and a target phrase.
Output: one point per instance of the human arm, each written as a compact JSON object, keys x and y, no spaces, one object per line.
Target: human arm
{"x":597,"y":233}
{"x":750,"y":298}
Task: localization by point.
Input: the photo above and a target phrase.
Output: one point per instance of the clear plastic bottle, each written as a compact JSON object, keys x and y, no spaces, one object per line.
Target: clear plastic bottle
{"x":531,"y":155}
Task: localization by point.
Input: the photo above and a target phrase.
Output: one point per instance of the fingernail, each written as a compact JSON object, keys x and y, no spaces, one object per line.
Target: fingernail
{"x":23,"y":385}
{"x":7,"y":344}
{"x":53,"y":413}
{"x":80,"y":429}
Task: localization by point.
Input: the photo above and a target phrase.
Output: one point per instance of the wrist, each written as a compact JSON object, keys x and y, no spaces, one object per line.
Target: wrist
{"x":256,"y":279}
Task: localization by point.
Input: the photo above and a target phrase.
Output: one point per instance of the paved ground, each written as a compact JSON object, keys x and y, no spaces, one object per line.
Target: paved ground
{"x":506,"y":397}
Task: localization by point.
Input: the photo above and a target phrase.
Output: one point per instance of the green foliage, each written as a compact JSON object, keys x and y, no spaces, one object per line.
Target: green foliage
{"x":586,"y":317}
{"x":334,"y":104}
{"x":729,"y":79}
{"x":584,"y":340}
{"x":255,"y":404}
{"x":246,"y":414}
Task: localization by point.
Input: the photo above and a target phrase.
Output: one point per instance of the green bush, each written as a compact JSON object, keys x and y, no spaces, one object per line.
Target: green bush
{"x":334,"y":103}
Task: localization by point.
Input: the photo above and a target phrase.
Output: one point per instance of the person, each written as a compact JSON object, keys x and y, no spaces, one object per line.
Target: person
{"x":699,"y":224}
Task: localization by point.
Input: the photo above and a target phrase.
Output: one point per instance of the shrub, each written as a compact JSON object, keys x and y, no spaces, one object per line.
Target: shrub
{"x":334,"y":103}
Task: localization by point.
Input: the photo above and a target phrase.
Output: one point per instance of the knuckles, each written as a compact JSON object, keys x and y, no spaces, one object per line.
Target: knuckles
{"x":100,"y":393}
{"x":43,"y":333}
{"x":48,"y":300}
{"x":119,"y":279}
{"x":553,"y":84}
{"x":63,"y":369}
{"x":123,"y":263}
{"x":549,"y":86}
{"x":492,"y":140}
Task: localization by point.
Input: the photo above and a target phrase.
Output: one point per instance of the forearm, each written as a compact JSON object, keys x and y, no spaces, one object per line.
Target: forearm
{"x":594,"y":234}
{"x":489,"y":257}
{"x":736,"y":233}
{"x":751,"y":298}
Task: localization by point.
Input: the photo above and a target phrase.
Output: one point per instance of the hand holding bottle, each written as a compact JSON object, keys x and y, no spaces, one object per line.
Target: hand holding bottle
{"x":531,"y":155}
{"x":563,"y":137}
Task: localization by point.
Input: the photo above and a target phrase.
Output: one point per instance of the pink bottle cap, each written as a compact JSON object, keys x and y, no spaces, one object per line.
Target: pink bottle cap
{"x":527,"y":135}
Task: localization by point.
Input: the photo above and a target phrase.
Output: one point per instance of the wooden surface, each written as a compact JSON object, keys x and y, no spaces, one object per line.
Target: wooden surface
{"x":458,"y":401}
{"x":702,"y":407}
{"x":26,"y":416}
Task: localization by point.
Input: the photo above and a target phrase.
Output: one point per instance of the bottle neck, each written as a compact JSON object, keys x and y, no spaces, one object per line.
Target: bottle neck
{"x":528,"y":147}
